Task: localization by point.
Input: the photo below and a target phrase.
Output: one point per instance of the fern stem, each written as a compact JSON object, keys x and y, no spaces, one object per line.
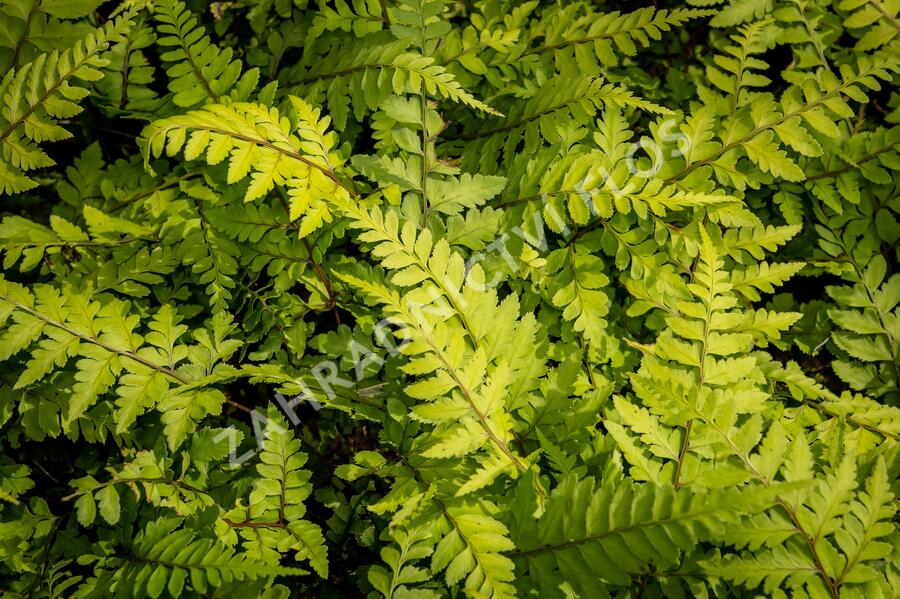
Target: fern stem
{"x":855,"y":421}
{"x":701,"y":376}
{"x":79,"y":244}
{"x":423,"y":116}
{"x":384,"y":12}
{"x":593,"y":538}
{"x":26,"y":29}
{"x":253,"y":524}
{"x":810,"y":31}
{"x":576,"y":41}
{"x":811,"y":546}
{"x":329,"y":288}
{"x":885,"y":14}
{"x":515,"y":125}
{"x":138,"y":479}
{"x":682,"y":453}
{"x":341,"y":72}
{"x":865,"y":158}
{"x":146,"y":193}
{"x":323,"y":278}
{"x":585,"y":358}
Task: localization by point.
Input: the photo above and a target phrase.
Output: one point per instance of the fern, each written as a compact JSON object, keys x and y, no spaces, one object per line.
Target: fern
{"x":34,"y":27}
{"x":271,"y":522}
{"x":126,"y":85}
{"x":606,"y":34}
{"x":39,"y":93}
{"x":578,"y":100}
{"x":765,"y":126}
{"x":419,"y":298}
{"x":876,"y":20}
{"x":390,"y":68}
{"x":865,"y":314}
{"x":258,"y":140}
{"x":57,"y":328}
{"x":199,"y":73}
{"x":172,"y":560}
{"x":403,"y":574}
{"x":600,"y":531}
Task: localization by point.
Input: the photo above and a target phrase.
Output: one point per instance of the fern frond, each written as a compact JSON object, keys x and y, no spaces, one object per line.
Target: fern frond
{"x":33,"y":27}
{"x":165,"y":557}
{"x":469,"y":542}
{"x":409,"y":548}
{"x":557,"y":100}
{"x":607,"y":34}
{"x":766,"y":124}
{"x":762,"y":276}
{"x":867,"y":314}
{"x":145,"y":472}
{"x":875,"y":21}
{"x":199,"y":71}
{"x":473,"y":418}
{"x":577,"y":287}
{"x":734,"y":70}
{"x":272,"y":522}
{"x":56,"y":328}
{"x":294,"y":150}
{"x":386,"y":69}
{"x":553,"y":300}
{"x":39,"y":93}
{"x":624,"y":526}
{"x":361,"y":17}
{"x":126,"y":86}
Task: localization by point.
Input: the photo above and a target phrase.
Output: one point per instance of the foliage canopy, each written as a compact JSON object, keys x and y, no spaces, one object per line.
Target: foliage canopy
{"x":426,"y":298}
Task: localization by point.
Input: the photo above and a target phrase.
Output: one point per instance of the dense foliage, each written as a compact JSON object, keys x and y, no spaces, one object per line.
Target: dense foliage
{"x":439,"y":298}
